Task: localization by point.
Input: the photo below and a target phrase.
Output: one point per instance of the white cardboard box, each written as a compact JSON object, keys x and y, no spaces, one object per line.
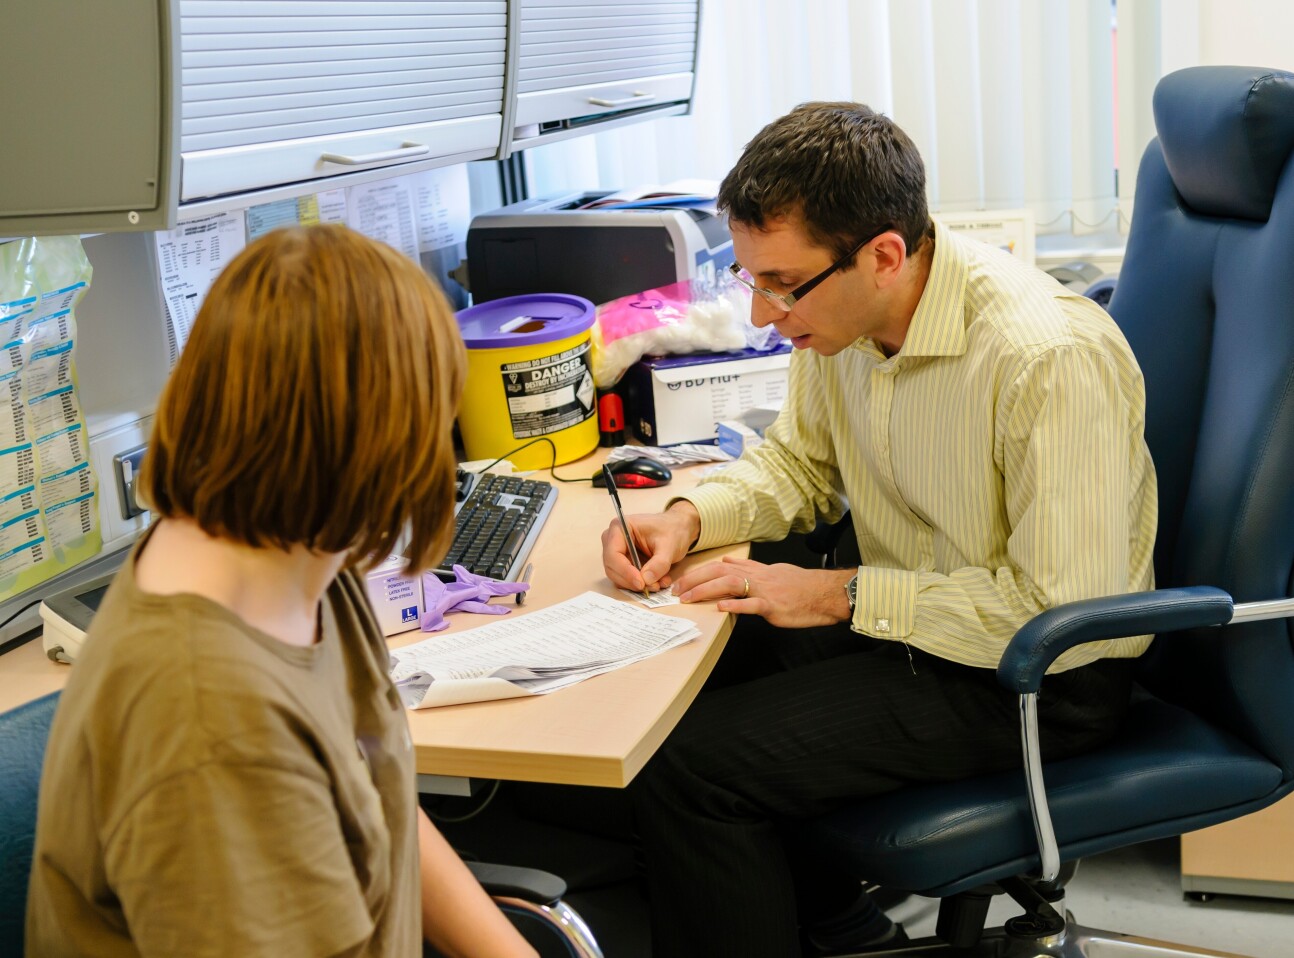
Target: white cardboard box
{"x":675,"y":399}
{"x":396,"y":598}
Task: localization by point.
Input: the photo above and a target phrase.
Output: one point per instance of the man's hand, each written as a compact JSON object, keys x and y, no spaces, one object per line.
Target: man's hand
{"x":662,"y":539}
{"x":786,"y":595}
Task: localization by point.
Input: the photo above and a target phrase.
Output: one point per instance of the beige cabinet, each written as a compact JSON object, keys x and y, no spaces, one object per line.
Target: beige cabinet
{"x":1253,"y":855}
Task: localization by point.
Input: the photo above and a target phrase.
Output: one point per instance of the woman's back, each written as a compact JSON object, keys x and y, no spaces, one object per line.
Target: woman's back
{"x":229,"y":769}
{"x":210,"y":768}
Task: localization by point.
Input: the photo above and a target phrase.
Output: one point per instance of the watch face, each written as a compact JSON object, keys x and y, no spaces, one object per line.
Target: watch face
{"x":852,"y":591}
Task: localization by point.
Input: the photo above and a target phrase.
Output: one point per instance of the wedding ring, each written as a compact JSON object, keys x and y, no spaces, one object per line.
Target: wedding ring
{"x":745,"y":592}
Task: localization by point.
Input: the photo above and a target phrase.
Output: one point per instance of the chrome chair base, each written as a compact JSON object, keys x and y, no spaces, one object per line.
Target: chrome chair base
{"x":1076,"y":941}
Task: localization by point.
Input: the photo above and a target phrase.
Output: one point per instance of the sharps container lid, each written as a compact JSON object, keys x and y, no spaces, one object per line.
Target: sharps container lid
{"x":525,"y":320}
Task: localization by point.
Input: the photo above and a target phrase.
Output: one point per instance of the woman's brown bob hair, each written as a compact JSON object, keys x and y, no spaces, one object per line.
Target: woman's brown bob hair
{"x":314,"y":403}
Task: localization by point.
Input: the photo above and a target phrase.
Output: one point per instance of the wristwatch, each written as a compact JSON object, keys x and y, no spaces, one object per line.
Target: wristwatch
{"x":851,"y":590}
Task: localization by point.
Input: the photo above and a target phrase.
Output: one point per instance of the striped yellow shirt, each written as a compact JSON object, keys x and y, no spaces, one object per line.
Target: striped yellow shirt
{"x":995,"y":465}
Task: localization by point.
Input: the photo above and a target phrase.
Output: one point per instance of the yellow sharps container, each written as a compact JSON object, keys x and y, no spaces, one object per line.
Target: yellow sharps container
{"x":529,"y":375}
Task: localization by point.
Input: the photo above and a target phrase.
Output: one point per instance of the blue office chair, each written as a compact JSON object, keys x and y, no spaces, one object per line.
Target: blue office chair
{"x":1206,"y":299}
{"x":532,"y":899}
{"x":23,"y":733}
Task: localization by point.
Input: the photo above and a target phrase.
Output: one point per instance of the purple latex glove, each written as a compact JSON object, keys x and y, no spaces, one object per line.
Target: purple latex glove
{"x":490,"y":586}
{"x":469,"y":593}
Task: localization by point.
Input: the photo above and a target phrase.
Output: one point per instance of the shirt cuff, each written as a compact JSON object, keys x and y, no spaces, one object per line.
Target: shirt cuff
{"x":721,"y":513}
{"x":886,"y":602}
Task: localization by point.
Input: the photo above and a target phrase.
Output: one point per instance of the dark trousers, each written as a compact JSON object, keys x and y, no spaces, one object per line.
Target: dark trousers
{"x":792,"y":725}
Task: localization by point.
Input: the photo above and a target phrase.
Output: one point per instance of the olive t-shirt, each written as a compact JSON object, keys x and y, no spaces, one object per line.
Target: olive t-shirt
{"x":210,"y":790}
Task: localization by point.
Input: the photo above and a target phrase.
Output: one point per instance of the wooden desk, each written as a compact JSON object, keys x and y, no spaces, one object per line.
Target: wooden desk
{"x":603,"y":730}
{"x":599,"y":732}
{"x":26,"y":674}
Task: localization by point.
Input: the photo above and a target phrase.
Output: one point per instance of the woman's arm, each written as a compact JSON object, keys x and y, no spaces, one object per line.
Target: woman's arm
{"x":458,"y":917}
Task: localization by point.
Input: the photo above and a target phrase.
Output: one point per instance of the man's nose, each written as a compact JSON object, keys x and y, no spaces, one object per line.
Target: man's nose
{"x":762,"y":312}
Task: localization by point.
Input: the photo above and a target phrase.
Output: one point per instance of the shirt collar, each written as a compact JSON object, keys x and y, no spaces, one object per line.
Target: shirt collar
{"x":938,"y":326}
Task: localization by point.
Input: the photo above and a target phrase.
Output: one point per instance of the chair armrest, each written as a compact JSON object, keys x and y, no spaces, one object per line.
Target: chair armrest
{"x":1046,"y":636}
{"x":527,"y":884}
{"x":824,"y":537}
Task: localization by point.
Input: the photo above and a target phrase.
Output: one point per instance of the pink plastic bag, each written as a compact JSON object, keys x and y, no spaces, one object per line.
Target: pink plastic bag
{"x":687,"y":317}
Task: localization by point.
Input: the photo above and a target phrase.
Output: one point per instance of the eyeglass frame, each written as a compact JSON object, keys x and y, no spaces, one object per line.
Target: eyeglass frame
{"x":786,"y":301}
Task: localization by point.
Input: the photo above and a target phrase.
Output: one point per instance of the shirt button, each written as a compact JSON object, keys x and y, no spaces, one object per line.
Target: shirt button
{"x":882,"y":625}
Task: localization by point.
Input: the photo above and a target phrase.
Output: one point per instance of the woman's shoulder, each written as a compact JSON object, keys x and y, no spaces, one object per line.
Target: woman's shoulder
{"x":139,"y":639}
{"x":178,"y":681}
{"x":184,"y":680}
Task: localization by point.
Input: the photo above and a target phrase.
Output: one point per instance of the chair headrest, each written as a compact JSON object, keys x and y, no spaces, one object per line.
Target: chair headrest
{"x":1226,"y":133}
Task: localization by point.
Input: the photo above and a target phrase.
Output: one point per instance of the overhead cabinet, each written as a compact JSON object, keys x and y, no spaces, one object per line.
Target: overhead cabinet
{"x":281,"y":91}
{"x":133,"y":113}
{"x":587,"y":63}
{"x":89,"y":116}
{"x":136,"y":113}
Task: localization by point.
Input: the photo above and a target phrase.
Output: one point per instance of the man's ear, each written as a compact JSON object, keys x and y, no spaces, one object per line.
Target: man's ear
{"x":889,"y":253}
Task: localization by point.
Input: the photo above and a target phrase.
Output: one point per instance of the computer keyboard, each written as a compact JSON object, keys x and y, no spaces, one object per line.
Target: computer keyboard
{"x":498,"y":519}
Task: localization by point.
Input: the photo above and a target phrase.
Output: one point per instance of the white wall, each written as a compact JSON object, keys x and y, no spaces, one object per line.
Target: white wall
{"x":1220,"y":32}
{"x":1247,"y":33}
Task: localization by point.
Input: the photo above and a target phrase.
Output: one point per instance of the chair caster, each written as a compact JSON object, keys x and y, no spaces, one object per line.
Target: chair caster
{"x":1203,"y":897}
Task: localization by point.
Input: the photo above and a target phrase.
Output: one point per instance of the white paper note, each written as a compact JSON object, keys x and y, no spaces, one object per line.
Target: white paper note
{"x":441,"y":199}
{"x":384,"y":211}
{"x":189,"y":258}
{"x":653,"y":600}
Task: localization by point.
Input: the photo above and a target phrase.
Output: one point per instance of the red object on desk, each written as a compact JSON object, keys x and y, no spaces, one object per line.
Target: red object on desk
{"x":611,"y":420}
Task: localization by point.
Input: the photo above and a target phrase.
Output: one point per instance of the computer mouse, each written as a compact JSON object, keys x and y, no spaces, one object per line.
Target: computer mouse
{"x":640,"y":473}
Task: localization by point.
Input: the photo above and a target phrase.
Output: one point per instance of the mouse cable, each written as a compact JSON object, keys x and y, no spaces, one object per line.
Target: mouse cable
{"x":552,"y":466}
{"x":33,"y":602}
{"x":10,"y":644}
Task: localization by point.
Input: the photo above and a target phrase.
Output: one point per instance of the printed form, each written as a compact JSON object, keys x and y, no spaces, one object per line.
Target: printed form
{"x":189,"y":258}
{"x":415,"y":213}
{"x":536,"y":653}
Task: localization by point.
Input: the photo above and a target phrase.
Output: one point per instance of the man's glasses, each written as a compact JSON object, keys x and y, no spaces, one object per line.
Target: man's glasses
{"x":786,"y":301}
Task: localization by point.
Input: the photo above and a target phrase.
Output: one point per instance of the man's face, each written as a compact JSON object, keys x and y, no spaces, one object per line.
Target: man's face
{"x":780,"y":256}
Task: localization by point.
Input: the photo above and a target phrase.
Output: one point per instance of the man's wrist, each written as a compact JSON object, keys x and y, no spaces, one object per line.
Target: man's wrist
{"x":839,"y":594}
{"x":687,"y":511}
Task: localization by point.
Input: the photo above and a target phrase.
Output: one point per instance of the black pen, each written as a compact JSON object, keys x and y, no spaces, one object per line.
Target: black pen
{"x":624,"y":526}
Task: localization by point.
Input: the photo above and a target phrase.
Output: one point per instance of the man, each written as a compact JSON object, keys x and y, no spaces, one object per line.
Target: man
{"x":985,"y":427}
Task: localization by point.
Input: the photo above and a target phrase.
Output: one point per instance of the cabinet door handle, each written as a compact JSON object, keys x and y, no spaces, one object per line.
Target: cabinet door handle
{"x":638,"y":96}
{"x":406,"y":151}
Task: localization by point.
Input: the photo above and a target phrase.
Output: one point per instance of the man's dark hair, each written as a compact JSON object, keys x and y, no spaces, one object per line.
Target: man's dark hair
{"x":848,"y":170}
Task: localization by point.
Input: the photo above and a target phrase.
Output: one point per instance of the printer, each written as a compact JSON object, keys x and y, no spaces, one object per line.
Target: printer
{"x":549,"y":245}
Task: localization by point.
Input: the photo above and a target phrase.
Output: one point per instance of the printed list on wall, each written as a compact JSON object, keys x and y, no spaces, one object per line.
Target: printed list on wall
{"x":417,"y":214}
{"x":49,"y":509}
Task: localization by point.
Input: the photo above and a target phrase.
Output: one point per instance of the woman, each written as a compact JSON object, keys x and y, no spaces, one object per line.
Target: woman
{"x":230,"y":770}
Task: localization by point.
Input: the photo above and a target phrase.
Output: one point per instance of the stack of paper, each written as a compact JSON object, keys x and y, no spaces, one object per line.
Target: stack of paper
{"x":532,"y":654}
{"x":695,"y":193}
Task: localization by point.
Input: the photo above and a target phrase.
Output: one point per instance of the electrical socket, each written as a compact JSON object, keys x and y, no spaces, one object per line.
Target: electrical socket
{"x":119,"y":526}
{"x":125,"y":468}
